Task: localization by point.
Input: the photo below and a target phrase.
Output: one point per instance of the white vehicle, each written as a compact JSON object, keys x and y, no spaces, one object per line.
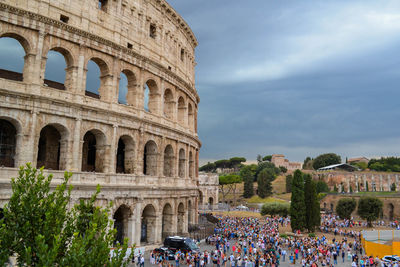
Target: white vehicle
{"x":390,"y":258}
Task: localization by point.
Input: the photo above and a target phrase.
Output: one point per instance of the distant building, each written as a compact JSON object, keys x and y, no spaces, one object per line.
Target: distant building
{"x":357,"y":160}
{"x":341,"y":166}
{"x":279,"y":161}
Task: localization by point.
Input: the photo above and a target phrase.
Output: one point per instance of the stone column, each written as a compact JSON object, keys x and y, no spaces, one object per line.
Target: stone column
{"x":389,"y":182}
{"x":380,"y":183}
{"x":77,"y":144}
{"x":397,"y":182}
{"x":365,"y":182}
{"x":348,"y":184}
{"x":131,"y":230}
{"x":32,"y":138}
{"x":138,"y":224}
{"x":114,"y":147}
{"x":81,"y":72}
{"x":158,"y":227}
{"x":356,"y":189}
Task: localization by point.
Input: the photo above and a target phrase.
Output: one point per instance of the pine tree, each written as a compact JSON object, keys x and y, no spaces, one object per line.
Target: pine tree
{"x":289,"y":179}
{"x":313,"y":216}
{"x":264,"y":183}
{"x":247,"y":177}
{"x":297,"y":207}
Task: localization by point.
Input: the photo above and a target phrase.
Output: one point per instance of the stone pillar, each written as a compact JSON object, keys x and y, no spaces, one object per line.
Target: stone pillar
{"x":356,"y":189}
{"x":389,"y":182}
{"x":365,"y":182}
{"x":138,"y":224}
{"x":348,"y":184}
{"x":77,"y":146}
{"x":32,"y":138}
{"x":397,"y":182}
{"x":158,"y":227}
{"x":81,"y":72}
{"x":380,"y":183}
{"x":113,"y":153}
{"x":131,"y":230}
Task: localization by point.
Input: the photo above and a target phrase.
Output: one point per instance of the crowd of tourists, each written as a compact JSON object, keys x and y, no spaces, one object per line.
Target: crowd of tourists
{"x":252,"y":242}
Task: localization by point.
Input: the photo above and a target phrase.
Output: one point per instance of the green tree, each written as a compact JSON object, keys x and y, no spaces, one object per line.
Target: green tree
{"x":222,"y":163}
{"x":366,"y":188}
{"x":289,"y":179}
{"x":264,"y":180}
{"x":345,"y":207}
{"x":313,"y":217}
{"x":235,"y":162}
{"x":267,"y":158}
{"x":283,"y":169}
{"x":41,"y":230}
{"x":209,"y":167}
{"x":326,"y":160}
{"x":275,"y":208}
{"x":248,"y":179}
{"x":297,"y":207}
{"x":259,"y":158}
{"x":335,"y":189}
{"x":322,"y":187}
{"x":369,"y":208}
{"x":268,"y":165}
{"x":228,"y":184}
{"x":393,"y":187}
{"x":308,"y":163}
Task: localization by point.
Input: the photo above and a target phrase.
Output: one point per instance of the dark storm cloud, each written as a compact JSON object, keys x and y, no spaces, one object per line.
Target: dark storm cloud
{"x":296,"y":77}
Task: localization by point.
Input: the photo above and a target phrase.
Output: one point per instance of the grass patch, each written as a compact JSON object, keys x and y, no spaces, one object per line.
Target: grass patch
{"x":257,"y":199}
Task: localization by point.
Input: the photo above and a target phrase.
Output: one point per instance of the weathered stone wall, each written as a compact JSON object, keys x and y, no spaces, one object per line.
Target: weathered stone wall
{"x":121,"y":147}
{"x":209,"y":188}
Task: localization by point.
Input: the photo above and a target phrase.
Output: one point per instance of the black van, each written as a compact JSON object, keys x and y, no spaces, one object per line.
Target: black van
{"x":183,"y":244}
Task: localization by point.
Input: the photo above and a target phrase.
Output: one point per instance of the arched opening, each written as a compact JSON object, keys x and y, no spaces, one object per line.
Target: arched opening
{"x":150,"y":159}
{"x":391,"y":211}
{"x":93,"y":151}
{"x":96,"y":77}
{"x":190,"y":117}
{"x":331,"y":207}
{"x":150,"y":96}
{"x":181,"y":111}
{"x":167,"y":222}
{"x":51,"y":149}
{"x":121,"y":219}
{"x":190,"y":213}
{"x":148,"y":225}
{"x":191,"y":165}
{"x":125,"y":155}
{"x":182,"y":163}
{"x":181,"y":218}
{"x":123,"y":89}
{"x":168,"y":161}
{"x":12,"y":55}
{"x":56,"y":66}
{"x":127,"y":93}
{"x":211,"y":203}
{"x":168,"y":104}
{"x":8,"y":143}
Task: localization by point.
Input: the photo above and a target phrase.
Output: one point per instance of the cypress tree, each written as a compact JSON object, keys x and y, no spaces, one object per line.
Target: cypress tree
{"x":264,"y":183}
{"x":313,"y":217}
{"x":247,"y":177}
{"x":297,"y":207}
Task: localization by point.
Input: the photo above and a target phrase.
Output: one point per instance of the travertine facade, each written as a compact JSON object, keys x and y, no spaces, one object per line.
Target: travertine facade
{"x":209,"y":189}
{"x":145,"y":161}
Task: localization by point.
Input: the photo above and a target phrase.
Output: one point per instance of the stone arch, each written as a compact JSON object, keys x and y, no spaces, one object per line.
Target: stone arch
{"x":181,"y":218}
{"x":182,"y":163}
{"x":181,"y":110}
{"x":127,"y":88}
{"x":167,"y":221}
{"x":8,"y":143}
{"x":151,"y":93}
{"x":54,"y":76}
{"x":169,"y":104}
{"x":150,"y":158}
{"x":168,"y":161}
{"x":93,"y":151}
{"x":125,"y":155}
{"x":13,"y":62}
{"x":121,"y":223}
{"x":148,"y":225}
{"x":191,"y":165}
{"x":190,"y":117}
{"x":211,"y":203}
{"x":52,"y":147}
{"x":96,"y":79}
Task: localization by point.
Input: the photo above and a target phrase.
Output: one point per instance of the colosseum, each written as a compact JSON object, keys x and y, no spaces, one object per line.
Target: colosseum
{"x":134,"y":133}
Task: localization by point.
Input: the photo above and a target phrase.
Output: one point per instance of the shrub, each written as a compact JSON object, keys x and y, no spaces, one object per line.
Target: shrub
{"x":275,"y":208}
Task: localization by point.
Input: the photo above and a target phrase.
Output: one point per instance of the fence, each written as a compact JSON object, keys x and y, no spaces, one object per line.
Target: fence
{"x":374,"y":242}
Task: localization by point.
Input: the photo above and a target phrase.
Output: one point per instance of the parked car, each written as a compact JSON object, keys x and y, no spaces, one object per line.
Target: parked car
{"x":169,"y":254}
{"x":183,"y":244}
{"x":390,"y":258}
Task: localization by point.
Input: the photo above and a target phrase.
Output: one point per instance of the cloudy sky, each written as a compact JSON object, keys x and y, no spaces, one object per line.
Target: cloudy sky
{"x":293,"y":77}
{"x":299,"y":78}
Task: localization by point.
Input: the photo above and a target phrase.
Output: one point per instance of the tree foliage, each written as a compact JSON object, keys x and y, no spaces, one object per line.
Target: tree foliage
{"x":209,"y":167}
{"x":389,"y":164}
{"x":308,"y":164}
{"x":275,"y":208}
{"x":326,"y":160}
{"x":264,"y":180}
{"x":289,"y":179}
{"x":270,"y":166}
{"x":41,"y":230}
{"x":267,"y":158}
{"x":297,"y":207}
{"x":248,"y":179}
{"x":345,"y":207}
{"x":228,"y":184}
{"x":232,"y":163}
{"x":313,"y":215}
{"x":321,"y":186}
{"x":369,"y":209}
